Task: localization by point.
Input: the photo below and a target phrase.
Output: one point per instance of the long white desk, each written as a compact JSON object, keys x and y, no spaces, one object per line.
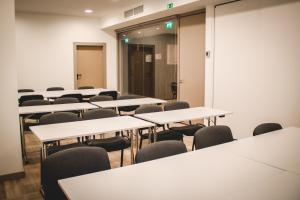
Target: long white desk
{"x":187,"y":114}
{"x":24,"y":110}
{"x":280,"y":149}
{"x":53,"y":132}
{"x":59,"y":93}
{"x":128,"y":102}
{"x":212,"y":173}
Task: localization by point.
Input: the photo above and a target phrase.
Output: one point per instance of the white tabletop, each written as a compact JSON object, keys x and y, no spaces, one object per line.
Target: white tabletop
{"x":182,"y":115}
{"x":55,"y":108}
{"x":128,"y":102}
{"x":59,"y":93}
{"x":280,"y":149}
{"x":60,"y":131}
{"x":204,"y":174}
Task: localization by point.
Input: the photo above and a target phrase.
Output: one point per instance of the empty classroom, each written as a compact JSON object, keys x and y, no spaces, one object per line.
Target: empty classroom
{"x":150,"y":99}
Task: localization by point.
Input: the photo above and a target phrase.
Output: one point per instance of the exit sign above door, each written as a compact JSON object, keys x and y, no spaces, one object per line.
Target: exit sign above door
{"x":170,"y":5}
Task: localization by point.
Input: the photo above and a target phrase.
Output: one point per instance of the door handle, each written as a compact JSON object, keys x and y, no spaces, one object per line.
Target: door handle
{"x":79,"y":76}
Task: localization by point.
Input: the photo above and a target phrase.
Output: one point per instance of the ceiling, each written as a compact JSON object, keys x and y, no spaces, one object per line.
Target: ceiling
{"x":72,"y":7}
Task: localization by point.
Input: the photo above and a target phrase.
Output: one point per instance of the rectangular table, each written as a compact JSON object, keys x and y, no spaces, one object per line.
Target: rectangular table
{"x":187,"y":114}
{"x":128,"y":102}
{"x":53,"y":132}
{"x":24,"y":110}
{"x":59,"y":93}
{"x":280,"y":149}
{"x":209,"y":173}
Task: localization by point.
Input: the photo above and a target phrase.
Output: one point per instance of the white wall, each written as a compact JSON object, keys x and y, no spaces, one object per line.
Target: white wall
{"x":10,"y":147}
{"x":257,"y":66}
{"x":45,"y":49}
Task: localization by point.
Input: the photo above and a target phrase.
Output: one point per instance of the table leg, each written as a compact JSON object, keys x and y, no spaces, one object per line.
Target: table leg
{"x":136,"y":140}
{"x":155,"y":135}
{"x":131,"y":146}
{"x":23,"y":147}
{"x":215,"y":120}
{"x":149,"y":135}
{"x":208,"y":123}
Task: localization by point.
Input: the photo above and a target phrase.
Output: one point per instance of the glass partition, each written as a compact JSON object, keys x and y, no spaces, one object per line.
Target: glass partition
{"x":148,"y":60}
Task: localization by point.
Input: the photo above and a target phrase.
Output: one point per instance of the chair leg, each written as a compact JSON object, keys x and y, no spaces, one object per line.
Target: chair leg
{"x":122,"y":155}
{"x":193,"y":144}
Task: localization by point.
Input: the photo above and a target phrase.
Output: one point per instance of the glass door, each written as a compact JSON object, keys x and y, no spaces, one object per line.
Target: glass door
{"x":148,"y":60}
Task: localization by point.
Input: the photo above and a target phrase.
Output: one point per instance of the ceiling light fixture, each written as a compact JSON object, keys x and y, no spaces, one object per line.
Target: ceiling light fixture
{"x":88,"y":11}
{"x":139,"y":32}
{"x":157,"y":28}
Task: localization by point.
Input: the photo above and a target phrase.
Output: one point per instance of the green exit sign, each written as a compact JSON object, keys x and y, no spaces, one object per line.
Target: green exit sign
{"x":169,"y":25}
{"x":170,"y":5}
{"x":126,"y":40}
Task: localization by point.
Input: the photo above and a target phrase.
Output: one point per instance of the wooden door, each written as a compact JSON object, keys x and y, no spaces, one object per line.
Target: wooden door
{"x":192,"y":59}
{"x":90,"y":66}
{"x":141,"y":70}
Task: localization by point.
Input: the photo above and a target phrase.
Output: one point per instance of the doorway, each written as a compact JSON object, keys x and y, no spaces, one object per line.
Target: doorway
{"x":90,"y":65}
{"x":141,"y":70}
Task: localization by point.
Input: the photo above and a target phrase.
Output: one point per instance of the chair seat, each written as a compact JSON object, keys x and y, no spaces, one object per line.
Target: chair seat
{"x":54,"y":149}
{"x":110,"y":144}
{"x":188,"y":130}
{"x":164,"y":135}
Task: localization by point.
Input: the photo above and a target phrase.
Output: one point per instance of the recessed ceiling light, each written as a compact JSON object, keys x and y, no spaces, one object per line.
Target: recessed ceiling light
{"x":157,"y":28}
{"x":88,"y":11}
{"x":139,"y":32}
{"x":124,"y":35}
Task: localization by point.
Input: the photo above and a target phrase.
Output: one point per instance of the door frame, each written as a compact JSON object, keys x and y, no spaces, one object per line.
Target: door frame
{"x":98,"y":44}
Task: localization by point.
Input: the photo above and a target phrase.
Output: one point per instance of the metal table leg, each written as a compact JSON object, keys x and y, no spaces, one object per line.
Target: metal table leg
{"x":136,"y":140}
{"x":155,"y":134}
{"x":131,"y":146}
{"x":23,"y":147}
{"x":215,"y":120}
{"x":149,"y":135}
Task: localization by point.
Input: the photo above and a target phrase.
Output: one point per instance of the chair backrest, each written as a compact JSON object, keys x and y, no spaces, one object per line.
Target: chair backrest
{"x":113,"y":94}
{"x":98,"y":114}
{"x":75,"y":95}
{"x":174,"y":88}
{"x":266,"y":127}
{"x":148,"y":109}
{"x":58,"y":117}
{"x":100,"y":98}
{"x":176,"y":105}
{"x":30,"y":97}
{"x":160,"y":150}
{"x":64,"y":100}
{"x":25,"y":90}
{"x":55,"y":88}
{"x":128,"y":108}
{"x":212,"y":135}
{"x":86,"y":87}
{"x":35,"y":102}
{"x":69,"y":163}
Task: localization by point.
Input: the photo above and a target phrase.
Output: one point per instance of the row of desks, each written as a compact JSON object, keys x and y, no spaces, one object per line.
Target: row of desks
{"x":59,"y":93}
{"x":265,"y":167}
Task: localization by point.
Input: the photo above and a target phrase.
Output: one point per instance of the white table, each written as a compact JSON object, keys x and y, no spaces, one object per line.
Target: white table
{"x":59,"y":93}
{"x":209,"y":174}
{"x":24,"y":110}
{"x":187,"y":114}
{"x":128,"y":102}
{"x":280,"y":149}
{"x":53,"y":132}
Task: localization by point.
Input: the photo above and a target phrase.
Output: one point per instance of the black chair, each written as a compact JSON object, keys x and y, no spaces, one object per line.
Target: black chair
{"x":266,"y":127}
{"x":188,"y":130}
{"x":25,"y":90}
{"x":65,"y":100}
{"x":100,"y":98}
{"x":113,"y":94}
{"x":174,"y":89}
{"x":117,"y":143}
{"x":35,"y":102}
{"x":160,"y":150}
{"x":75,"y":95}
{"x":212,"y":135}
{"x":128,"y":108}
{"x":70,"y":163}
{"x":59,"y":117}
{"x":86,"y":87}
{"x":162,"y":135}
{"x":30,"y":97}
{"x":55,"y":88}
